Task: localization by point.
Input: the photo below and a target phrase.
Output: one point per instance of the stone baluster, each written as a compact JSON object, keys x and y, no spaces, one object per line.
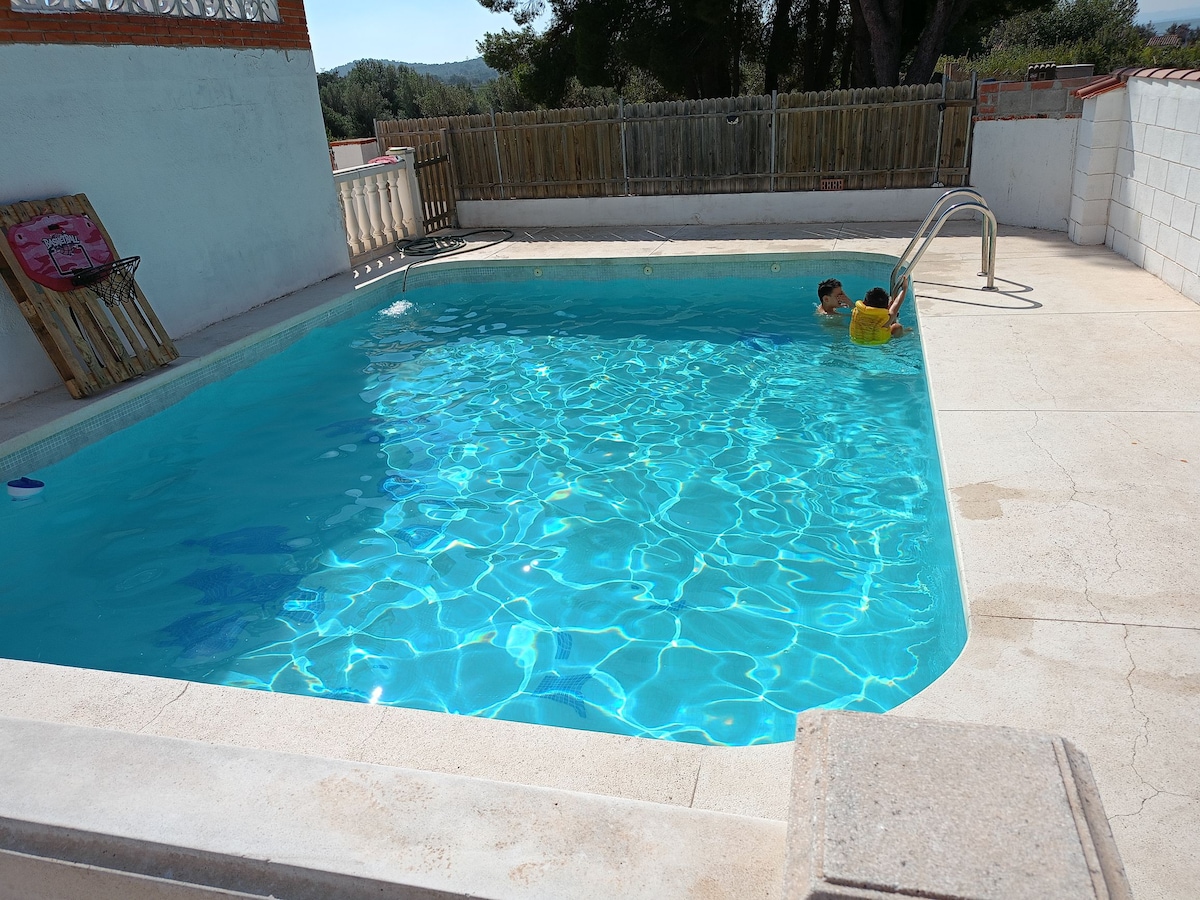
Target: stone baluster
{"x":394,"y":177}
{"x":346,"y":202}
{"x":362,"y":217}
{"x":371,"y":190}
{"x":379,"y":205}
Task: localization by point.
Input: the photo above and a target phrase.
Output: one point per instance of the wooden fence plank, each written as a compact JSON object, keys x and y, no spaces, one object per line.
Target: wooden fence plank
{"x":871,"y":138}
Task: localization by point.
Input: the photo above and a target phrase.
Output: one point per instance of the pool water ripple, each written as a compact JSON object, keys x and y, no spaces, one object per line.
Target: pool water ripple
{"x":686,"y":514}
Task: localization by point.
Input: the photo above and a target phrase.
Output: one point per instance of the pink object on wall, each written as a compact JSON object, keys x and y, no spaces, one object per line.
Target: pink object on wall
{"x":51,"y":248}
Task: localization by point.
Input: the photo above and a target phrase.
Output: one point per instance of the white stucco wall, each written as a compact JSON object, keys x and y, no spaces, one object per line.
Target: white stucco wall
{"x":211,"y":164}
{"x":1154,"y":211}
{"x":1023,"y":168}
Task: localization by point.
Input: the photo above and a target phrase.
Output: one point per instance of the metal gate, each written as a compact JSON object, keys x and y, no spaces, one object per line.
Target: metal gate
{"x":434,"y":179}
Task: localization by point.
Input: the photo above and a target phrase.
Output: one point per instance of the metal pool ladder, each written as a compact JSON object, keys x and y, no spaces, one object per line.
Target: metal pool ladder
{"x":950,"y":203}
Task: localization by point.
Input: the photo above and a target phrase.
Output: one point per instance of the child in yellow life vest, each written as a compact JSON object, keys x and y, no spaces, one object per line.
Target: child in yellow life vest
{"x":873,"y":321}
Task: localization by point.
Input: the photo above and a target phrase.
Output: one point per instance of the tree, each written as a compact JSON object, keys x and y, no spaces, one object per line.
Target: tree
{"x":807,"y":45}
{"x":693,"y":48}
{"x":1087,"y":31}
{"x":1184,"y":32}
{"x":704,"y":48}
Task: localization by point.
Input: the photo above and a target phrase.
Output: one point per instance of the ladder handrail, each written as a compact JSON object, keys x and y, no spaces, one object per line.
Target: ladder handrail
{"x":975,"y":203}
{"x":942,"y":201}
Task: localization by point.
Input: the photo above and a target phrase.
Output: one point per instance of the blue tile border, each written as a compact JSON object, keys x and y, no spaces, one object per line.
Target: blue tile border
{"x":167,"y":388}
{"x":757,"y":265}
{"x":171,"y":386}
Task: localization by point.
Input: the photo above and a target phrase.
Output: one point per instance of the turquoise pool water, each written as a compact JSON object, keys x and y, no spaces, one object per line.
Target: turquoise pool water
{"x":675,"y":509}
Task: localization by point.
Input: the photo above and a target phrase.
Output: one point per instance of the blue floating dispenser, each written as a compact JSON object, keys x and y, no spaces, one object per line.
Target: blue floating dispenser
{"x":24,"y":488}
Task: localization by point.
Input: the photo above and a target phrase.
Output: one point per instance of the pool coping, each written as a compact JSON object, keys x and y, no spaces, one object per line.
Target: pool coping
{"x":110,"y":413}
{"x":113,"y":411}
{"x":1103,"y":680}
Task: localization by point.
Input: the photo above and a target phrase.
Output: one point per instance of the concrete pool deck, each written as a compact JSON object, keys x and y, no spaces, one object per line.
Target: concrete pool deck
{"x":1068,"y":411}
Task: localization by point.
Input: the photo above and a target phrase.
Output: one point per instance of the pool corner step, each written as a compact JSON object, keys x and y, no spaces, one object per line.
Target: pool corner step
{"x":885,"y":807}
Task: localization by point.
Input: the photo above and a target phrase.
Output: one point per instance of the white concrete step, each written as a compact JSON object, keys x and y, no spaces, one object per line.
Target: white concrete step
{"x":163,"y":818}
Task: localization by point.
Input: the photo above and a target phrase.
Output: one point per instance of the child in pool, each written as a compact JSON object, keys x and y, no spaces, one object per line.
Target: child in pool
{"x":831,"y":297}
{"x":873,"y":321}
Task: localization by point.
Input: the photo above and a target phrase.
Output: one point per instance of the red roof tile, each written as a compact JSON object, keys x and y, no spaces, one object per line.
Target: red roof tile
{"x":1105,"y":83}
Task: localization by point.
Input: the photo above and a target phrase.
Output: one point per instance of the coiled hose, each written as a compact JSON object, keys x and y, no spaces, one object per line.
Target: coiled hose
{"x":446,"y":245}
{"x":449,"y":243}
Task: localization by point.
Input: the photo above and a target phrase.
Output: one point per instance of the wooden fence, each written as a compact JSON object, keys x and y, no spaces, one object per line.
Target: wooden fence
{"x":872,"y":138}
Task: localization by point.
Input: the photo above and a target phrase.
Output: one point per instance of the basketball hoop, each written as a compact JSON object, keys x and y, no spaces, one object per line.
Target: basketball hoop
{"x":112,"y":282}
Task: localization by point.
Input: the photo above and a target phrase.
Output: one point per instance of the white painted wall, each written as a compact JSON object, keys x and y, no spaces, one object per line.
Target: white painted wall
{"x":1154,"y":212}
{"x":1023,"y":168}
{"x":705,"y":209}
{"x":348,"y":154}
{"x":211,"y":164}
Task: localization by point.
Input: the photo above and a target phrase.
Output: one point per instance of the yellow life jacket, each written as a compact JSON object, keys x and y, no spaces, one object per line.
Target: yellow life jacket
{"x":869,"y":325}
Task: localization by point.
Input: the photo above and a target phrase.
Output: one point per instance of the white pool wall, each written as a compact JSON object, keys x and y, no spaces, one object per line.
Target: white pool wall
{"x":703,"y":209}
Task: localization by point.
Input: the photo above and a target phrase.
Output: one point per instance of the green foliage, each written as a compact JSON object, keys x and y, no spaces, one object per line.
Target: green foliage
{"x":473,"y":71}
{"x":592,"y":49}
{"x":1101,"y":32}
{"x":1171,"y":57}
{"x":374,"y":90}
{"x":1068,"y":22}
{"x":666,"y":49}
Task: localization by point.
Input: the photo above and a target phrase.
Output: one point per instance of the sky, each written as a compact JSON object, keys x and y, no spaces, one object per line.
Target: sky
{"x":436,"y":31}
{"x":419,"y":31}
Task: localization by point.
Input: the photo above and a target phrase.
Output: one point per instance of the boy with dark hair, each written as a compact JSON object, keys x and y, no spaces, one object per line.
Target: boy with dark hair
{"x":831,"y":297}
{"x":873,"y":321}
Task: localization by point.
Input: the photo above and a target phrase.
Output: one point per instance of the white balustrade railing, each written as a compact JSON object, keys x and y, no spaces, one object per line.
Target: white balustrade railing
{"x":381,"y":204}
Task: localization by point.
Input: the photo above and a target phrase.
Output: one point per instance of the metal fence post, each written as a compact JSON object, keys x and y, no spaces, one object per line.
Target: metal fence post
{"x":624,"y":152}
{"x":774,"y":132}
{"x":937,"y":162}
{"x":971,"y":124}
{"x":499,"y":166}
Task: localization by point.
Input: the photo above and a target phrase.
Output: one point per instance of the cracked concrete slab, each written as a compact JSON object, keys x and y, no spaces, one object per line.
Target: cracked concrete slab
{"x":1111,"y":495}
{"x":1070,"y":434}
{"x":1076,"y":361}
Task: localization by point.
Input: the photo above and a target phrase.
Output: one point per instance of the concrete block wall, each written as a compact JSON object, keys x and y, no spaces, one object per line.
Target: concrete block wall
{"x":1029,"y":99}
{"x":1023,"y":132}
{"x":348,"y":154}
{"x":1017,"y":164}
{"x":1101,"y":131}
{"x":1153,"y":216}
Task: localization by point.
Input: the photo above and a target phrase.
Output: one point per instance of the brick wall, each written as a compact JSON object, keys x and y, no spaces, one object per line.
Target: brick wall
{"x":154,"y":31}
{"x":1029,"y":99}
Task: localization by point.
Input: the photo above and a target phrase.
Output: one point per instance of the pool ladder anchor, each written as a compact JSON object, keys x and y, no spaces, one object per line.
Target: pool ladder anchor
{"x":947,"y":205}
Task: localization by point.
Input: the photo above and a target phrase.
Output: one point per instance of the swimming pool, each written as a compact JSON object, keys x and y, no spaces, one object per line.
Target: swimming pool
{"x":610,"y":497}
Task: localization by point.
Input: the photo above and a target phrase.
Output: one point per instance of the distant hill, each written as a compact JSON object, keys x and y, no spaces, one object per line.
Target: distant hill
{"x":472,"y":71}
{"x":1161,"y":21}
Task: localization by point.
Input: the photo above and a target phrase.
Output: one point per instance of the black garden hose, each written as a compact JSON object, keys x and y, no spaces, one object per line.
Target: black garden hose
{"x":445,"y":245}
{"x":439,"y":245}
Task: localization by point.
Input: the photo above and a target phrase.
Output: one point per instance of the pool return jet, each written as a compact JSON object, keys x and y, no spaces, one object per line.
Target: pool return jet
{"x":948,"y":204}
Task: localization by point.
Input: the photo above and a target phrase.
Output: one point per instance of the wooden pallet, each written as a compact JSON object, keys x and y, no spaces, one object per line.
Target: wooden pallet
{"x":93,"y":346}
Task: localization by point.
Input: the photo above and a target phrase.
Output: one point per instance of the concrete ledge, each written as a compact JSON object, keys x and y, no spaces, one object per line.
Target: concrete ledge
{"x":784,"y":207}
{"x":94,"y":807}
{"x":885,"y":807}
